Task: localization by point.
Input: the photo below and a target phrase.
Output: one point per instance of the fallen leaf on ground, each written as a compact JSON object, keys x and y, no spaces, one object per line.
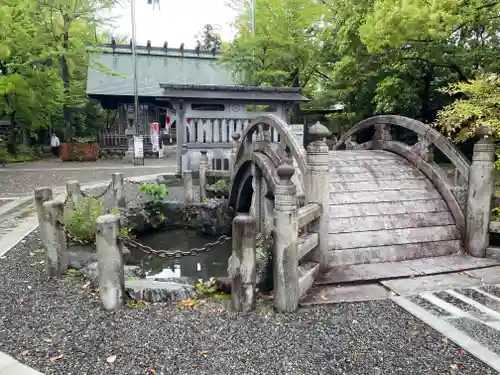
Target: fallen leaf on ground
{"x":111,"y":359}
{"x":25,"y":353}
{"x":323,"y":298}
{"x":55,"y":357}
{"x":86,"y":285}
{"x":151,"y":371}
{"x":188,"y":303}
{"x":220,"y":309}
{"x":204,"y":352}
{"x":461,"y":352}
{"x":454,"y":366}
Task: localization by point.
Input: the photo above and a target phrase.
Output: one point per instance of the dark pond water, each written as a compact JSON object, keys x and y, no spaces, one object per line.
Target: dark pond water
{"x":209,"y":264}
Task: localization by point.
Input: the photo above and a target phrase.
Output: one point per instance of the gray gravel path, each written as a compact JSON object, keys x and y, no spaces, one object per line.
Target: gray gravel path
{"x":59,"y":316}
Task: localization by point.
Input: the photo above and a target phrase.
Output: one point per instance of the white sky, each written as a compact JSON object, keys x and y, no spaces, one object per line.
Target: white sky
{"x":177,"y":21}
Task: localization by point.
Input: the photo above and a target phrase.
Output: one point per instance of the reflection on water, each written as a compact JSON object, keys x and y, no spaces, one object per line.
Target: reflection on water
{"x":212,"y":263}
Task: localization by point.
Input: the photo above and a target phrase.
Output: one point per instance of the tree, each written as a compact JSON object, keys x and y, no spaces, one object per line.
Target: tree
{"x":210,"y":38}
{"x":477,"y":105}
{"x":72,"y":26}
{"x":285,"y":48}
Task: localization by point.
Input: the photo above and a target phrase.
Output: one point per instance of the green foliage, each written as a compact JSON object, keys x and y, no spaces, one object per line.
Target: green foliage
{"x":73,"y":272}
{"x":133,"y":304}
{"x":495,"y":213}
{"x":221,"y":187}
{"x":209,"y":289}
{"x":210,"y":38}
{"x":156,"y":194}
{"x":478,"y":105}
{"x":285,"y":48}
{"x":43,"y":65}
{"x":80,"y":221}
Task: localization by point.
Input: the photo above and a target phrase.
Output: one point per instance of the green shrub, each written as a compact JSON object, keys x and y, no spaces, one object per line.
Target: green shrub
{"x":80,"y":221}
{"x":156,"y":194}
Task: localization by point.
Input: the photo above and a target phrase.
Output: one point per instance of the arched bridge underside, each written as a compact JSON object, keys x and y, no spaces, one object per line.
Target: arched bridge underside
{"x":388,"y":199}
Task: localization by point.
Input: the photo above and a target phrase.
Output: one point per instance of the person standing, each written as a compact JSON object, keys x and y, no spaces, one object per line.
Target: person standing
{"x":55,"y":144}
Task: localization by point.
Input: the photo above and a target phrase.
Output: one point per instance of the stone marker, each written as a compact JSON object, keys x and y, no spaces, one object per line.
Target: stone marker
{"x":118,"y":187}
{"x":242,"y":263}
{"x":110,"y":263}
{"x":54,"y":238}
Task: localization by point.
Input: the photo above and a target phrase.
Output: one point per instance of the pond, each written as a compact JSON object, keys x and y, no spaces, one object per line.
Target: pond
{"x":212,"y":263}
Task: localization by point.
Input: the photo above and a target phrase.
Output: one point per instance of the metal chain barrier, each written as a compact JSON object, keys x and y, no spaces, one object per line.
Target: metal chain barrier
{"x":132,"y":243}
{"x":99,"y":195}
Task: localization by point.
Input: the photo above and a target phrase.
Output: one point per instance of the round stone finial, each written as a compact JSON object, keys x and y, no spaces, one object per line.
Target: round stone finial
{"x":483,"y":132}
{"x":319,"y":131}
{"x":236,"y":136}
{"x":285,"y":171}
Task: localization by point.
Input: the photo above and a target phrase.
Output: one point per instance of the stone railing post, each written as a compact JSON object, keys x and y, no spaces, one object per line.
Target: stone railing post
{"x":481,"y":178}
{"x":187,"y":178}
{"x":74,"y":192}
{"x":286,"y":262}
{"x":54,"y":238}
{"x":318,"y":189}
{"x":234,"y":149}
{"x":110,"y":263}
{"x":118,"y":186}
{"x":42,"y":194}
{"x":242,"y":264}
{"x":203,"y":174}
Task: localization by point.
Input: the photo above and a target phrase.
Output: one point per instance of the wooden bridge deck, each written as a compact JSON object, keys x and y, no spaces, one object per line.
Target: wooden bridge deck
{"x":383,"y":209}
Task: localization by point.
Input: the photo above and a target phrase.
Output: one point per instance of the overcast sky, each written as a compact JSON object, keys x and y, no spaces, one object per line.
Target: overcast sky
{"x":177,"y":21}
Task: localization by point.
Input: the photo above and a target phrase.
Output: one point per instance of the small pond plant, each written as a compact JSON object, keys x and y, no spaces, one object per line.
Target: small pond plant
{"x":79,"y":222}
{"x":156,"y":194}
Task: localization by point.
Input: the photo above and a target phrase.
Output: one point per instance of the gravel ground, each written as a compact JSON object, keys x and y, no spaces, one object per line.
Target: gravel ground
{"x":60,"y":317}
{"x":14,"y":181}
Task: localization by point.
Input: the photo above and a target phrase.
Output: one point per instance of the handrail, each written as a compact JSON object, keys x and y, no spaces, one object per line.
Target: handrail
{"x":425,"y":131}
{"x":308,"y":214}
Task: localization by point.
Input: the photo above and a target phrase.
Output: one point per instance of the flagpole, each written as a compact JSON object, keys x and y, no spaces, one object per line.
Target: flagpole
{"x":134,"y":65}
{"x":252,"y":16}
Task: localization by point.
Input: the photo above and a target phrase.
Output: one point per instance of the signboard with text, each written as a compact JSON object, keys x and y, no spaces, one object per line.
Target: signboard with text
{"x":138,"y":150}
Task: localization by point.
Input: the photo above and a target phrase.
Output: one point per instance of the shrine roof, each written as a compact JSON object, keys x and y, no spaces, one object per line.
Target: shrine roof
{"x":171,"y":73}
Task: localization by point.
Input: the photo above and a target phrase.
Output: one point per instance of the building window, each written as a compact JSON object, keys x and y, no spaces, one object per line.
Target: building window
{"x":261,"y":108}
{"x":207,"y":107}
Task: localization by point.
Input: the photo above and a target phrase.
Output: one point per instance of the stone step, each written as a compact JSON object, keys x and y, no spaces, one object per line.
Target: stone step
{"x":409,"y":268}
{"x":328,"y":294}
{"x":380,"y":254}
{"x":306,"y":243}
{"x":420,"y":182}
{"x":392,"y":167}
{"x":382,"y":196}
{"x":308,"y":272}
{"x":397,"y":221}
{"x":376,"y":174}
{"x":386,"y":208}
{"x":352,"y":240}
{"x":362,"y":154}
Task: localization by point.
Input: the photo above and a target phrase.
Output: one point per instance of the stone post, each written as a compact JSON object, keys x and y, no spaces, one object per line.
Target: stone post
{"x":481,"y":178}
{"x":318,"y":189}
{"x":42,"y":194}
{"x":110,"y":263}
{"x":234,"y":149}
{"x":54,"y":238}
{"x":74,"y":192}
{"x":285,"y":257}
{"x":203,"y":174}
{"x":242,"y":264}
{"x":118,"y":186}
{"x":187,"y":178}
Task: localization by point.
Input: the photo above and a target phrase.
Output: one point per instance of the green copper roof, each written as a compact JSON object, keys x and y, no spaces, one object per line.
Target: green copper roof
{"x":154,"y":66}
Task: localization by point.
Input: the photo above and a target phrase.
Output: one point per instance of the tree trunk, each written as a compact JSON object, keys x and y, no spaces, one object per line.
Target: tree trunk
{"x":65,"y":78}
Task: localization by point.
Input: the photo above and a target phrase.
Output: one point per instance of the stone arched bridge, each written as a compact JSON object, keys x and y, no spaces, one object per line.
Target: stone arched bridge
{"x":381,"y":201}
